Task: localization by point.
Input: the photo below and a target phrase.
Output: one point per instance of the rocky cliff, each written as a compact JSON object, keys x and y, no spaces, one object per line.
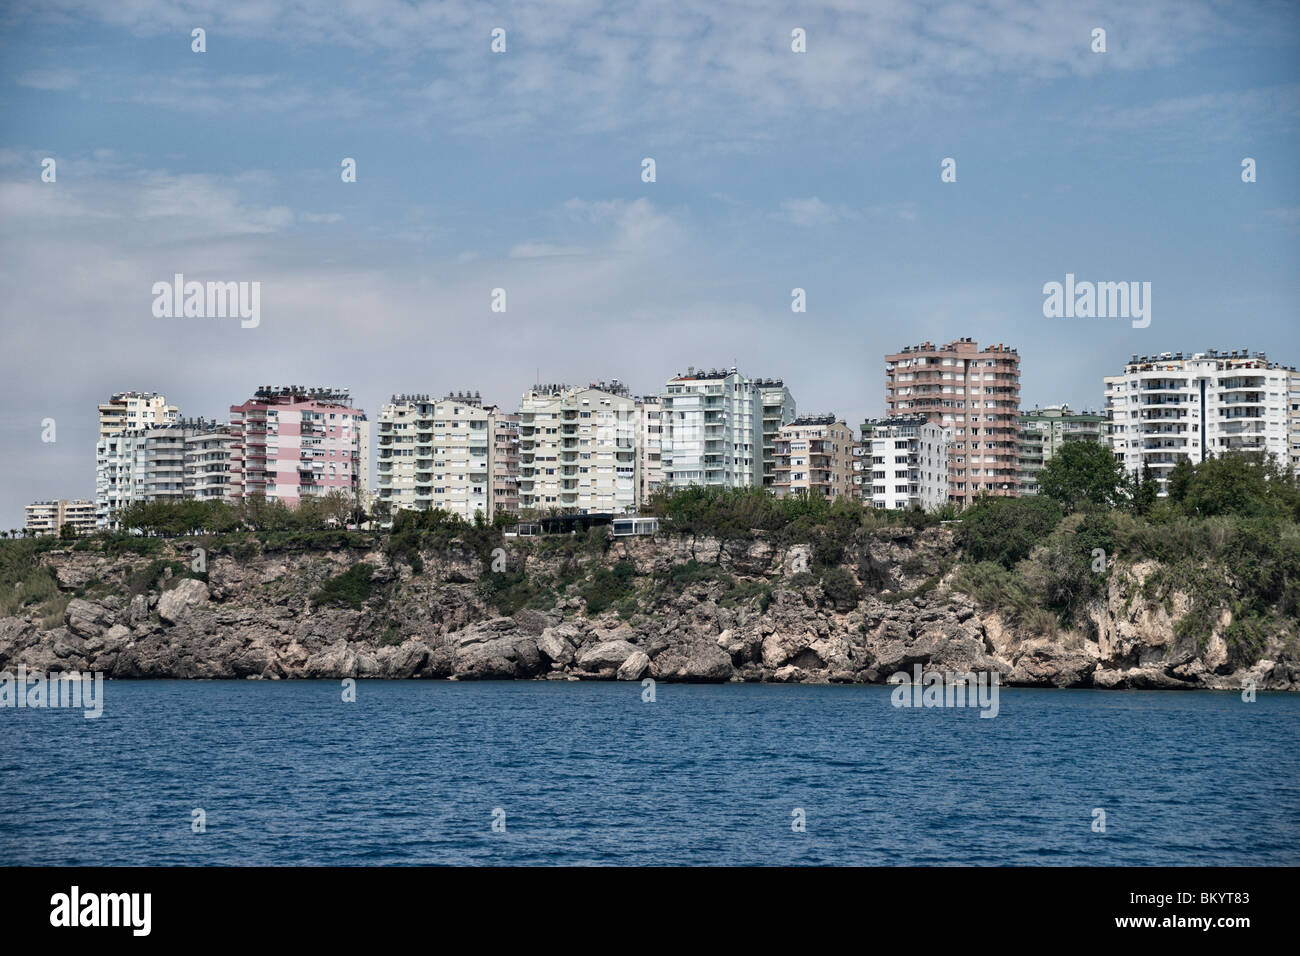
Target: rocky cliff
{"x":680,"y":609}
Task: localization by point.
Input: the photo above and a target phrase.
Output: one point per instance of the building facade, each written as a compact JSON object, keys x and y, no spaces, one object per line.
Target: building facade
{"x":1293,"y":417}
{"x":291,"y":441}
{"x":650,"y":471}
{"x":1044,"y":430}
{"x":49,"y":517}
{"x":505,"y":461}
{"x":436,"y":454}
{"x":207,"y":463}
{"x":577,"y":450}
{"x":814,"y":456}
{"x":905,"y":463}
{"x":712,"y":430}
{"x":974,"y":393}
{"x":1172,"y":407}
{"x":142,"y":465}
{"x":778,"y":411}
{"x":126,"y":410}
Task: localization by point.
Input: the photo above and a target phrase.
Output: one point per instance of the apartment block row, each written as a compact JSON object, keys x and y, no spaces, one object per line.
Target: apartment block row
{"x":283,"y":443}
{"x":953,"y":430}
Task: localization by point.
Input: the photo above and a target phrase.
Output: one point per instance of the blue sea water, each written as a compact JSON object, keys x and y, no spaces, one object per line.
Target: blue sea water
{"x":588,"y":773}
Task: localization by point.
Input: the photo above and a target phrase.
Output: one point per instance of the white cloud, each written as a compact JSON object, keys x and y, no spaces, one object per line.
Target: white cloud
{"x":812,"y":212}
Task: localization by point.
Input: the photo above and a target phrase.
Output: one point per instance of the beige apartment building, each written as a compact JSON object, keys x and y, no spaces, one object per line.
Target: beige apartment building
{"x":650,"y":472}
{"x":814,"y":455}
{"x":974,"y":395}
{"x":436,"y":453}
{"x":134,"y":410}
{"x":49,"y":517}
{"x":577,"y":449}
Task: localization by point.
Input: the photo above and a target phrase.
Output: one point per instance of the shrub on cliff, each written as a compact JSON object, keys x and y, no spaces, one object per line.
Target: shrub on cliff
{"x":609,"y":586}
{"x":840,"y":588}
{"x":351,"y":589}
{"x":1005,"y":530}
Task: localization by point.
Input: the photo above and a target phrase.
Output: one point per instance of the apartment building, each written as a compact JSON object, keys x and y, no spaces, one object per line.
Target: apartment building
{"x":142,"y":465}
{"x":436,"y":454}
{"x":974,"y":393}
{"x":1172,"y":407}
{"x":778,"y":411}
{"x":126,"y":410}
{"x":905,"y":463}
{"x":1293,"y":417}
{"x":1044,"y":430}
{"x":207,"y":463}
{"x":814,"y":455}
{"x":49,"y":517}
{"x":505,"y":461}
{"x":650,"y":472}
{"x":577,"y":449}
{"x":712,"y":430}
{"x":290,"y":441}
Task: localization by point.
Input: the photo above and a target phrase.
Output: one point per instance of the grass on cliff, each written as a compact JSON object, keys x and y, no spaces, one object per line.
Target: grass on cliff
{"x":27,"y":586}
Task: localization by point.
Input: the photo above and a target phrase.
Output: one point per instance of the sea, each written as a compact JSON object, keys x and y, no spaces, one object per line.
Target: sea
{"x":544,"y":773}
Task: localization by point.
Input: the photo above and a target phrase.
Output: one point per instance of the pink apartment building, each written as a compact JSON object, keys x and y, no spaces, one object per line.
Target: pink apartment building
{"x":290,"y":441}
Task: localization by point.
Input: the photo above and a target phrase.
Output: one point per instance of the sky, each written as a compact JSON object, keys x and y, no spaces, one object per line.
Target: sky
{"x":522,"y":170}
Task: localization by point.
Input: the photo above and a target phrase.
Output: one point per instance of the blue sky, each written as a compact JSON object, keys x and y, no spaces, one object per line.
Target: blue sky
{"x":521,"y":170}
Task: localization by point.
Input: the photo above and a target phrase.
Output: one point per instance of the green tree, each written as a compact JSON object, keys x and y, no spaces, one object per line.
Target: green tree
{"x":1082,"y":473}
{"x":1005,"y":530}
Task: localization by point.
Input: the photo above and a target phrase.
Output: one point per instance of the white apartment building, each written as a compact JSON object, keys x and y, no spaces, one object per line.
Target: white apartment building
{"x":134,"y":410}
{"x":1170,"y":407}
{"x":578,"y":450}
{"x":905,"y":463}
{"x":207,"y":463}
{"x":712,"y":430}
{"x":142,"y":464}
{"x":436,"y":453}
{"x":649,"y":454}
{"x":778,"y":411}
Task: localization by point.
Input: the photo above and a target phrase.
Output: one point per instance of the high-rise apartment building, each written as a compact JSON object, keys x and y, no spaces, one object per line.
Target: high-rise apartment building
{"x":905,"y":463}
{"x":505,"y":461}
{"x":142,"y":465}
{"x":650,"y":472}
{"x":814,"y":455}
{"x":778,"y":410}
{"x":207,"y":463}
{"x":134,"y":410}
{"x":49,"y":517}
{"x":712,"y":430}
{"x":1293,"y":417}
{"x":974,"y":393}
{"x":1044,"y":430}
{"x":291,"y":441}
{"x":1171,"y":407}
{"x":577,"y":449}
{"x":436,"y":454}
